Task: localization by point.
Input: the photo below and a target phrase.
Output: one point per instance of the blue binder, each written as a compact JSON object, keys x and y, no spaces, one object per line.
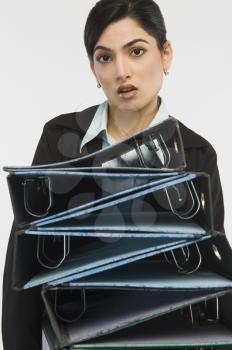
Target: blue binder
{"x":136,"y":243}
{"x":37,"y":194}
{"x":164,"y":136}
{"x":146,"y":304}
{"x":176,"y":203}
{"x":86,"y":258}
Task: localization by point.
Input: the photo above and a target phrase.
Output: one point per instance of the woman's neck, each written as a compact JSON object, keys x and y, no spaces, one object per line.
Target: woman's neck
{"x":122,"y":124}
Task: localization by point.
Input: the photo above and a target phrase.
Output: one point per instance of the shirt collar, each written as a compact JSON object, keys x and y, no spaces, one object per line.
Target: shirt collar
{"x":99,"y":123}
{"x":161,"y":114}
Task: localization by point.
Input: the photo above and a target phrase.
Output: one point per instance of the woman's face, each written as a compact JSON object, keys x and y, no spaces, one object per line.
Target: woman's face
{"x":126,"y":54}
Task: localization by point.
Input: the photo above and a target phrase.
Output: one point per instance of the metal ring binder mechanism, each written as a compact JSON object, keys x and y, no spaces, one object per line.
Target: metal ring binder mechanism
{"x":51,"y":262}
{"x":41,"y":188}
{"x":77,"y":315}
{"x":154,"y":145}
{"x":191,"y":212}
{"x":164,"y":281}
{"x":181,"y":268}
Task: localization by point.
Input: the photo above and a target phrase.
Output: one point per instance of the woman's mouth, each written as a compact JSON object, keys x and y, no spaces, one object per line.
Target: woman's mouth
{"x":128,"y":94}
{"x":127,"y":91}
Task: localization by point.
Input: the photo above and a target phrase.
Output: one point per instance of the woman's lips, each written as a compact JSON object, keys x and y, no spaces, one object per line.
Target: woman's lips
{"x":129,"y":94}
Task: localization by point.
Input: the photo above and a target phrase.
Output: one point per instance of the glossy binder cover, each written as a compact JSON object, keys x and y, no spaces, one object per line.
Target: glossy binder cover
{"x":117,"y":203}
{"x":150,"y":308}
{"x":160,"y":146}
{"x":181,"y":205}
{"x":37,"y":195}
{"x":122,"y":318}
{"x":145,"y":304}
{"x":86,"y":257}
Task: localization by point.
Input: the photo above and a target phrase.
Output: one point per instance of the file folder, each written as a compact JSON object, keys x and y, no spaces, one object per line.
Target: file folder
{"x":37,"y":194}
{"x":140,"y":204}
{"x":155,"y":215}
{"x":127,"y":257}
{"x":128,"y":315}
{"x":180,"y":337}
{"x":51,"y":248}
{"x":86,"y":257}
{"x":145,"y":304}
{"x":160,"y":146}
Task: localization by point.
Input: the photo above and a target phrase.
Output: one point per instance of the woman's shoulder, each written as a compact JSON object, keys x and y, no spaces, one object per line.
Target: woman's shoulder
{"x":192,"y":139}
{"x":73,"y":120}
{"x":62,"y":135}
{"x":200,"y":154}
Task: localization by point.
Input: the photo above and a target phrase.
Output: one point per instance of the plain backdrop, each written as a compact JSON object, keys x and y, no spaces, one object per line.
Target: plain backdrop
{"x":44,"y":72}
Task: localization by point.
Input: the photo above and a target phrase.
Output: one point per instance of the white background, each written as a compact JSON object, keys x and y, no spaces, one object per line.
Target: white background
{"x":44,"y":72}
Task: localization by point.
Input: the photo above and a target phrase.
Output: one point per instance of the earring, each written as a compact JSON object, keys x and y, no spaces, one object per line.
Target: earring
{"x":166,"y":72}
{"x":99,"y":85}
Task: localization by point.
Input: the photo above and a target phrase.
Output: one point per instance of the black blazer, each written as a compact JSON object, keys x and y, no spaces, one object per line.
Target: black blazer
{"x":60,"y":141}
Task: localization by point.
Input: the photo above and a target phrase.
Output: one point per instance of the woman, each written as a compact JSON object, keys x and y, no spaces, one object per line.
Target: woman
{"x":129,"y":56}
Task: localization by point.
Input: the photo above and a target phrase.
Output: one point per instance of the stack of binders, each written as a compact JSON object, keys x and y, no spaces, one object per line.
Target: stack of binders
{"x":127,"y":256}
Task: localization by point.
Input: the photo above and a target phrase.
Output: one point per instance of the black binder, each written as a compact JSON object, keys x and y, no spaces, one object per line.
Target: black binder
{"x":128,"y":257}
{"x":164,"y":136}
{"x":146,"y":304}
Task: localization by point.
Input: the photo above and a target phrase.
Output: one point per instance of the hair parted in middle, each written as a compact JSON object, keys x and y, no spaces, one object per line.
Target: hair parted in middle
{"x":146,"y":12}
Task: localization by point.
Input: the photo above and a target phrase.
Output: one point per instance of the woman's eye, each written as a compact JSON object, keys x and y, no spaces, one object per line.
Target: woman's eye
{"x":103,"y":58}
{"x":106,"y":58}
{"x":137,"y":51}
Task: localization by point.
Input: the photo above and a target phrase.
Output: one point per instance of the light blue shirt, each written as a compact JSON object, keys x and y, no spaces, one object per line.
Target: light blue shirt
{"x":99,"y":125}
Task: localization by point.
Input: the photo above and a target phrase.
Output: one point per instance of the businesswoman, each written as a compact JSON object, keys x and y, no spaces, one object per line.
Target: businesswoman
{"x":130,"y":56}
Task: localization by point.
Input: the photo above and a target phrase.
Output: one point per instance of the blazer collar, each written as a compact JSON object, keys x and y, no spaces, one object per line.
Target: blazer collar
{"x":81,"y":121}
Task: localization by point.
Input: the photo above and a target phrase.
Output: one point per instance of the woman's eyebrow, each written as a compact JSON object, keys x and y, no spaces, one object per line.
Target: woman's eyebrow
{"x":100,"y":47}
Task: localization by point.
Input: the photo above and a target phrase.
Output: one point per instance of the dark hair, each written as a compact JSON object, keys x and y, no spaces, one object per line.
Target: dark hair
{"x":146,"y":12}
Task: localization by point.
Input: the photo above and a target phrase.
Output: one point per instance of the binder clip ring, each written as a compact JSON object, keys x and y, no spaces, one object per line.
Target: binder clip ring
{"x":186,"y":256}
{"x":181,"y":268}
{"x":42,"y":187}
{"x":195,"y":206}
{"x":152,"y":146}
{"x":40,"y":258}
{"x":165,"y":151}
{"x":80,"y":314}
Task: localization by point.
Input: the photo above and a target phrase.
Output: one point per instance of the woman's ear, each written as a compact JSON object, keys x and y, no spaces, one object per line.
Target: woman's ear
{"x":167,"y":54}
{"x":92,"y":67}
{"x":93,"y":70}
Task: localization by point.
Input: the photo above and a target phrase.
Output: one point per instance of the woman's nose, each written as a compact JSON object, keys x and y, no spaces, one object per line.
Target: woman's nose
{"x":122,"y":69}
